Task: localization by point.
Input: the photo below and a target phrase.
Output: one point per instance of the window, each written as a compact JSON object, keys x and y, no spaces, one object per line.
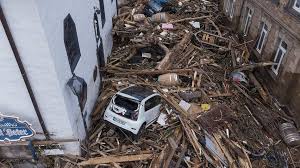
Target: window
{"x":96,"y":27}
{"x":79,"y":88}
{"x":100,"y":54}
{"x":71,"y":42}
{"x":281,"y":51}
{"x":262,"y":38}
{"x":131,"y":106}
{"x":152,"y":102}
{"x":102,"y":10}
{"x":232,"y":8}
{"x":95,"y":73}
{"x":296,"y":5}
{"x":249,"y":13}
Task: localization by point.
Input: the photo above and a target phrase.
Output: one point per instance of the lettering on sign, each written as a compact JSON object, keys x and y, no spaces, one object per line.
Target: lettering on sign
{"x":12,"y":129}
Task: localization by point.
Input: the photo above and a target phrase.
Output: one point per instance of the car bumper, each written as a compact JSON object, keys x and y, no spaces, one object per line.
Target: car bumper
{"x":129,"y":125}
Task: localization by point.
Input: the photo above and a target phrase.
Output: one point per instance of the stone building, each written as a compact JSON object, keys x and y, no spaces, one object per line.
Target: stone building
{"x":274,"y":27}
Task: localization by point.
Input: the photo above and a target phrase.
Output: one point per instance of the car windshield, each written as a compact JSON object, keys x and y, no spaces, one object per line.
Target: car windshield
{"x":130,"y":105}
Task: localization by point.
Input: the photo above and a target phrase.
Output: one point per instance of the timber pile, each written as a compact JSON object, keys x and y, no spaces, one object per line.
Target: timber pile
{"x":228,"y":124}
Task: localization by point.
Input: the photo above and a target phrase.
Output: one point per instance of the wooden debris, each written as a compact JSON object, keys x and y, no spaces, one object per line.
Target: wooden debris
{"x":115,"y":159}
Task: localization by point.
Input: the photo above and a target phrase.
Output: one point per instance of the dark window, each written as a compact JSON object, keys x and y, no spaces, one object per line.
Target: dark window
{"x":100,"y":54}
{"x":95,"y":73}
{"x":152,"y":102}
{"x":96,"y":27}
{"x":127,"y":103}
{"x":71,"y":42}
{"x":102,"y":10}
{"x":79,"y":88}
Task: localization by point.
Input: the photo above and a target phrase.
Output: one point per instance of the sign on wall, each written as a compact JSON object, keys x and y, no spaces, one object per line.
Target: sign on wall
{"x":12,"y":129}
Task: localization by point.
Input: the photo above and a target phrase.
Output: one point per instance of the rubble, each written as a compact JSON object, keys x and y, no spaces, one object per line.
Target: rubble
{"x":207,"y":120}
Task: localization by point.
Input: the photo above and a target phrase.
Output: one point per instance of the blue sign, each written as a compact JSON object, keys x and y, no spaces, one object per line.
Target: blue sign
{"x":12,"y":129}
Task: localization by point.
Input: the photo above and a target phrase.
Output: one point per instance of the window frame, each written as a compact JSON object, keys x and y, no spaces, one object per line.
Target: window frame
{"x":248,"y":20}
{"x":263,"y":30}
{"x":283,"y":53}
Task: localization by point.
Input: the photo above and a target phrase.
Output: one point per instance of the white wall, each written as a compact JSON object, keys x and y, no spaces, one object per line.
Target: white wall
{"x":14,"y":98}
{"x":37,"y":28}
{"x":25,"y":25}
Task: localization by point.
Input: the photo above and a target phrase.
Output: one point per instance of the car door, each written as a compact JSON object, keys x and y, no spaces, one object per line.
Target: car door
{"x":152,"y":106}
{"x":157,"y":105}
{"x":149,"y":110}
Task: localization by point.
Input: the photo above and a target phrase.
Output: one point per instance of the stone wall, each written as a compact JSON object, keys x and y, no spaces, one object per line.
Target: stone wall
{"x":284,"y":23}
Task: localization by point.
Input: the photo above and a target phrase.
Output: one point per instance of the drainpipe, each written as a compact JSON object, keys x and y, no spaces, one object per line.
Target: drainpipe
{"x":23,"y":72}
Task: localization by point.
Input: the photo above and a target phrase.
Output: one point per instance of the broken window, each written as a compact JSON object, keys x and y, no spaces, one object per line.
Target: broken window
{"x":281,"y":51}
{"x":71,"y":42}
{"x":79,"y":88}
{"x":296,"y":5}
{"x":249,"y":13}
{"x":102,"y":10}
{"x":131,"y":107}
{"x":262,"y":38}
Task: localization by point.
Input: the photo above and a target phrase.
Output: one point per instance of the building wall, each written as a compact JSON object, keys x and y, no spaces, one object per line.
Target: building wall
{"x":284,"y":24}
{"x":14,"y":99}
{"x":37,"y":27}
{"x":24,"y":23}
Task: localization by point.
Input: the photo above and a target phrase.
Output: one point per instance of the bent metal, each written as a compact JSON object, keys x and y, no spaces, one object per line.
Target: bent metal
{"x":12,"y":129}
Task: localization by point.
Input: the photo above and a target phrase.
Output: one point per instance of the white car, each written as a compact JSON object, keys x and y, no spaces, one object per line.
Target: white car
{"x":133,"y":109}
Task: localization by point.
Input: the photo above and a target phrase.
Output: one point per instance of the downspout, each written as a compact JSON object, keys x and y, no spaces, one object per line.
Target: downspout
{"x":23,"y":72}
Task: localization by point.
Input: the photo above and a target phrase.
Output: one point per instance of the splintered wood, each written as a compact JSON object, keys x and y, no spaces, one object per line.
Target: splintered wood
{"x":208,"y":119}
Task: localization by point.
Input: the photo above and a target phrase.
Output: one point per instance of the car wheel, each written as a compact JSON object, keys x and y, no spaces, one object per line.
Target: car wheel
{"x":140,"y":133}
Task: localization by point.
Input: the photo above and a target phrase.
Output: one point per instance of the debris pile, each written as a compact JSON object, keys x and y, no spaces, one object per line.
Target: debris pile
{"x":215,"y":111}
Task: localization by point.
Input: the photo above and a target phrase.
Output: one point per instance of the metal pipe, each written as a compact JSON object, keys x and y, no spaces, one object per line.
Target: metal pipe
{"x":23,"y":72}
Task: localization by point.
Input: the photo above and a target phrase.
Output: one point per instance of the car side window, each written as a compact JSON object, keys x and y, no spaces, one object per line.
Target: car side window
{"x":152,"y":102}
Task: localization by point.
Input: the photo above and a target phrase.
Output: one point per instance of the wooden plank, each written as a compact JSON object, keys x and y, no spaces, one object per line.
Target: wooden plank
{"x":149,"y":72}
{"x":263,"y":94}
{"x":115,"y":159}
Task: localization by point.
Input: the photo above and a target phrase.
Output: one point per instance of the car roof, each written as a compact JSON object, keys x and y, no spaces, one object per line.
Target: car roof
{"x":138,"y":92}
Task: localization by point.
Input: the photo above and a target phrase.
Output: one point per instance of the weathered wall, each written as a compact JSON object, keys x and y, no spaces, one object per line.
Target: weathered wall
{"x":284,"y":24}
{"x":14,"y":98}
{"x":37,"y":28}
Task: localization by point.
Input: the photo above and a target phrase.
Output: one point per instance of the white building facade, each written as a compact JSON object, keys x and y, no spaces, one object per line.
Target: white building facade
{"x":55,"y":41}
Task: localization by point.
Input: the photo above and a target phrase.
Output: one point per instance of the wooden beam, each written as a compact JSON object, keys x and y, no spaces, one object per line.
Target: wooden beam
{"x":115,"y":159}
